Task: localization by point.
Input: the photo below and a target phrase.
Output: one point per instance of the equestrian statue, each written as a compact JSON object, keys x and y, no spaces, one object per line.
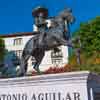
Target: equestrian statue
{"x":48,"y":38}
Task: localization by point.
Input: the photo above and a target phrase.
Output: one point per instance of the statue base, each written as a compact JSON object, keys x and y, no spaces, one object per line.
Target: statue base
{"x":81,"y":85}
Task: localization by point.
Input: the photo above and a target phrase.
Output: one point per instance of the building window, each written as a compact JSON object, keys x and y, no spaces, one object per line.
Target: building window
{"x":18,"y":41}
{"x":18,"y":53}
{"x":56,"y":57}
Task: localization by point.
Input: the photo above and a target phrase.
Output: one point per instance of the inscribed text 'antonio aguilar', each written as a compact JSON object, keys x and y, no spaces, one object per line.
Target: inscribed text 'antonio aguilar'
{"x":41,"y":96}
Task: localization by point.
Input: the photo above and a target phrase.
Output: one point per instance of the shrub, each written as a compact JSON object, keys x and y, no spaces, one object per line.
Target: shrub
{"x":53,"y":70}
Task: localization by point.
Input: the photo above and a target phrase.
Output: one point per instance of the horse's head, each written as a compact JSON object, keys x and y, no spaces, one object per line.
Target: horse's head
{"x":67,"y":16}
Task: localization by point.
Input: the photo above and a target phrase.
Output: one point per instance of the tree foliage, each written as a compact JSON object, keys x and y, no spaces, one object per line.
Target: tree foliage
{"x":89,"y":34}
{"x":2,"y":49}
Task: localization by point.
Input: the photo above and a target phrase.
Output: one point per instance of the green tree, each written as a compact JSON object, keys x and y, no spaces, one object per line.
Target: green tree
{"x":2,"y":50}
{"x":89,"y":34}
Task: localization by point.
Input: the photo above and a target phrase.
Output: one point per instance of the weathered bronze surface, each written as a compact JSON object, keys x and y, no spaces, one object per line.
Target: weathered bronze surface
{"x":48,"y":38}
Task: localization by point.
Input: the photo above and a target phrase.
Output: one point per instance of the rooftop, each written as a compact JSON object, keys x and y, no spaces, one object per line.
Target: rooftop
{"x":18,"y":34}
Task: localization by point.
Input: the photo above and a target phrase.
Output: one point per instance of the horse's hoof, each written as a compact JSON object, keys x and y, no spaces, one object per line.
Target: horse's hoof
{"x":39,"y":73}
{"x":20,"y":74}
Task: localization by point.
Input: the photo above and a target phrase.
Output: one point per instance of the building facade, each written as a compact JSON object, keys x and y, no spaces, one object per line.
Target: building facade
{"x":15,"y":43}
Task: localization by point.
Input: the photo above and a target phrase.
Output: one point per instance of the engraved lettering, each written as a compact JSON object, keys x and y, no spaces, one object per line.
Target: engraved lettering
{"x":76,"y":96}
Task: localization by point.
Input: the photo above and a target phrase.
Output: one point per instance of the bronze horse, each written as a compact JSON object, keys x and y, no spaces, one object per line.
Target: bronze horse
{"x":54,"y":37}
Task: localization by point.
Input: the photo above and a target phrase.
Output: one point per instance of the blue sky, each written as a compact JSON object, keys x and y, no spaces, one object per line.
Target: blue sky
{"x":16,"y":15}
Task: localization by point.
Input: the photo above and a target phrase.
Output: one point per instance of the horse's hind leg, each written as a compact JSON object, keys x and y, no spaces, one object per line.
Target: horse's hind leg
{"x":36,"y":67}
{"x":23,"y":65}
{"x":38,"y":57}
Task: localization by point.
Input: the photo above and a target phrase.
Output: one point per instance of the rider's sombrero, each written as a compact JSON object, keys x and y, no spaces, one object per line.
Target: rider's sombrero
{"x":39,"y":10}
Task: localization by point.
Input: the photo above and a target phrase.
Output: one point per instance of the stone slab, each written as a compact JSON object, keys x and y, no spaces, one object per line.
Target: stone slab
{"x":65,"y":86}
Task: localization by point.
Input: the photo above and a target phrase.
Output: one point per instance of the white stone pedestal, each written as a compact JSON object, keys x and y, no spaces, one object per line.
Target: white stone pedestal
{"x":66,"y":86}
